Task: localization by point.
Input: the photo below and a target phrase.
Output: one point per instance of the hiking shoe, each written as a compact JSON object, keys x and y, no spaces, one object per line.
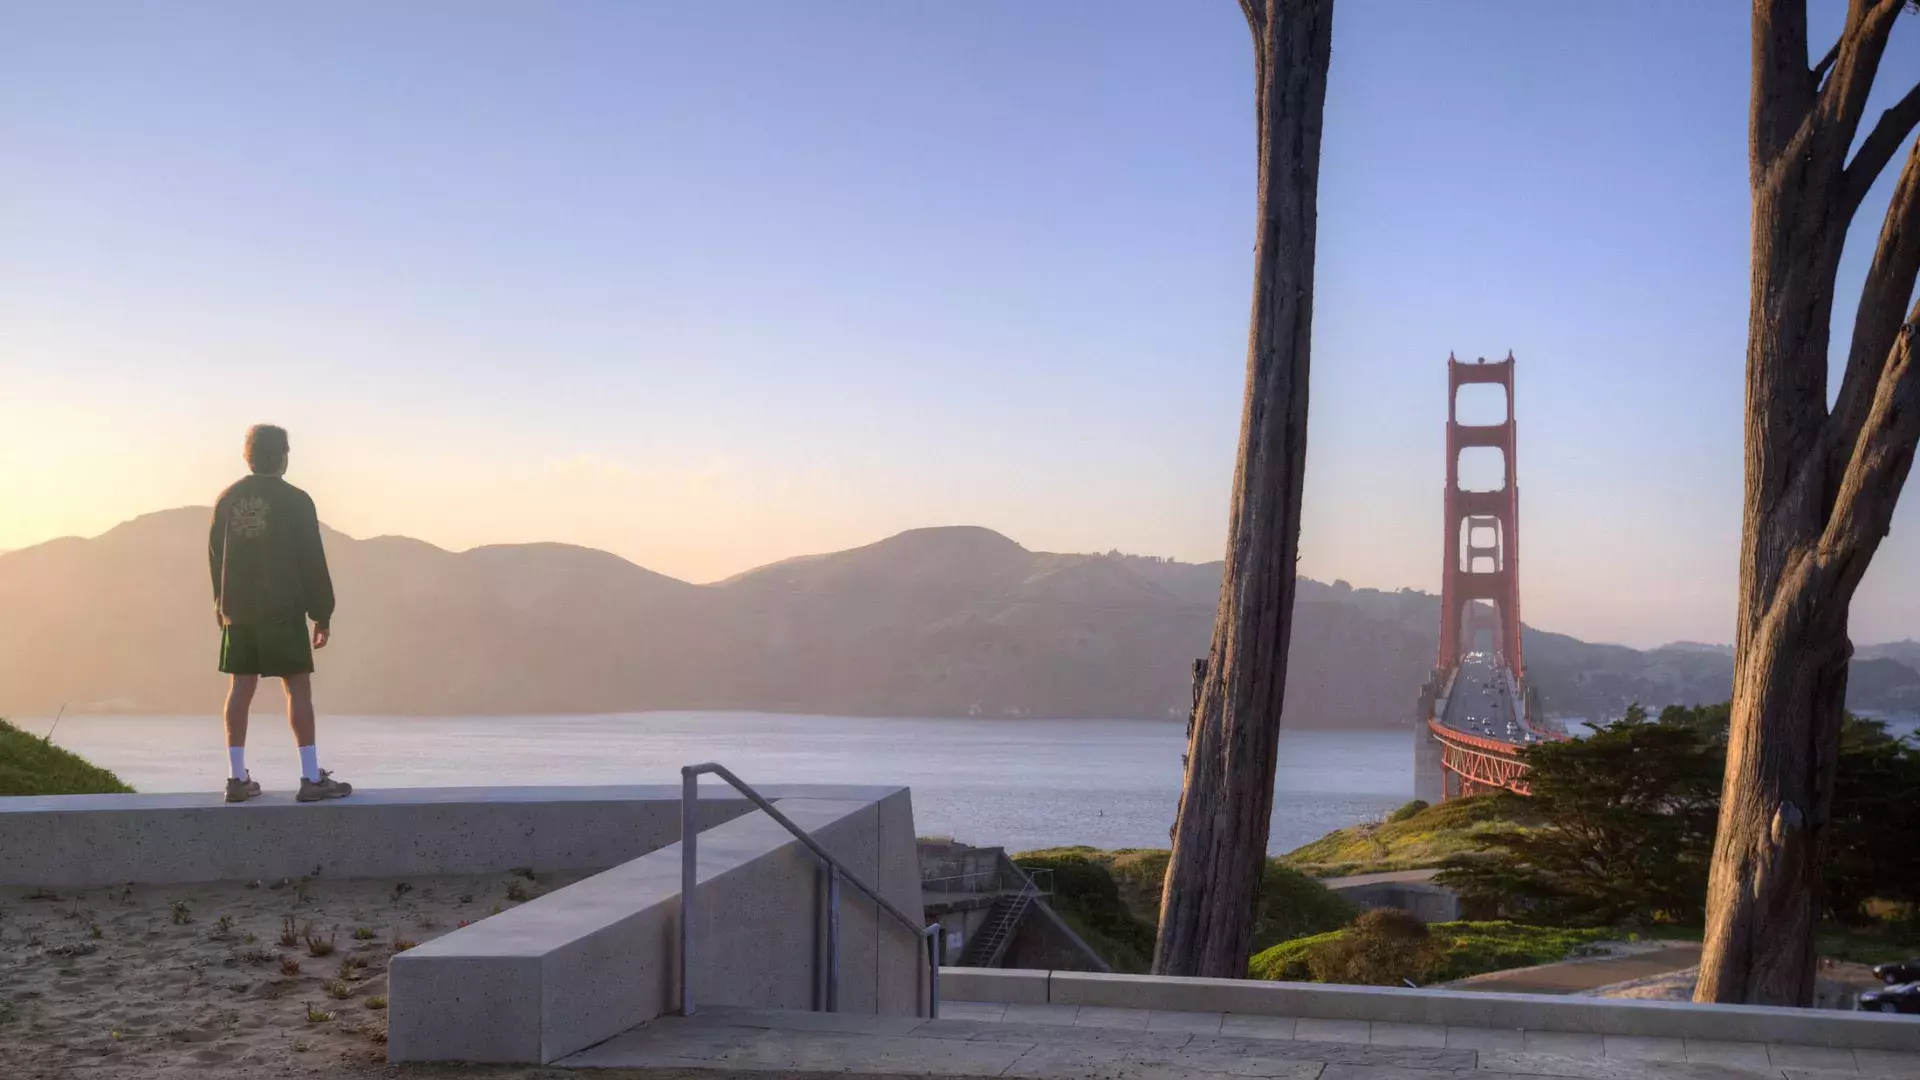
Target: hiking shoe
{"x":242,"y":790}
{"x":326,"y":788}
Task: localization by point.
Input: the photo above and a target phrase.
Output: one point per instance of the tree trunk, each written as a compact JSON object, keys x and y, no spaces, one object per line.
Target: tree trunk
{"x":1226,"y":802}
{"x":1820,"y":485}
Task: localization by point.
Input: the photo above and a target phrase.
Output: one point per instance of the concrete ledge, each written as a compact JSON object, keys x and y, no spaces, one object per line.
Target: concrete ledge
{"x":95,"y":840}
{"x":1011,"y":985}
{"x":584,"y":963}
{"x":1533,"y":1012}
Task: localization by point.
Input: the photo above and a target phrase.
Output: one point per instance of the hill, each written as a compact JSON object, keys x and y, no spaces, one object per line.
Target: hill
{"x":957,"y":621}
{"x":30,"y":765}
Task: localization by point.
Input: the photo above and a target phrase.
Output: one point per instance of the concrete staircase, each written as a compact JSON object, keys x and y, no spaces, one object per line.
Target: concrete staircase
{"x":990,"y":942}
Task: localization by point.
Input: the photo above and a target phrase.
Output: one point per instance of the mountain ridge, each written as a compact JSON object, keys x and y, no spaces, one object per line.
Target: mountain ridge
{"x":941,"y":621}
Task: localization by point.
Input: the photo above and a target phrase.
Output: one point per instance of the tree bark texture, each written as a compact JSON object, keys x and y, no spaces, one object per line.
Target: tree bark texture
{"x":1820,"y":483}
{"x":1226,"y":802}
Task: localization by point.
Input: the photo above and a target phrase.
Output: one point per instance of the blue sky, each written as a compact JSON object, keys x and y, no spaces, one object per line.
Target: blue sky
{"x":709,"y":285}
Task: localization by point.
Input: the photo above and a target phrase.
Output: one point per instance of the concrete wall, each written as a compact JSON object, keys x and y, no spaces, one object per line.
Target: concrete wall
{"x":583,"y":963}
{"x":955,"y":867}
{"x":1044,"y":940}
{"x":1532,"y":1012}
{"x":93,"y":840}
{"x":1428,"y":903}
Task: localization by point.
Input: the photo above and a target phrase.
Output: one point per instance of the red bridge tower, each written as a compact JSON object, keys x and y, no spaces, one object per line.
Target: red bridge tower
{"x":1480,"y":581}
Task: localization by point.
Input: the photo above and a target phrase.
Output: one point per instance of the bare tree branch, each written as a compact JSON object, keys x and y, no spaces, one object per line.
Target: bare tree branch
{"x":1843,"y":97}
{"x":1256,"y":14}
{"x":1878,"y":465}
{"x":1820,"y":69}
{"x":1879,"y":147}
{"x":1780,"y":74}
{"x":1877,"y":321}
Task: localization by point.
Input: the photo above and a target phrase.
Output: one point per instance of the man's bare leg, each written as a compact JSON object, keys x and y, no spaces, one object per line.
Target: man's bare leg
{"x":240,"y":786}
{"x":314,"y":783}
{"x":300,"y":708}
{"x":239,"y":700}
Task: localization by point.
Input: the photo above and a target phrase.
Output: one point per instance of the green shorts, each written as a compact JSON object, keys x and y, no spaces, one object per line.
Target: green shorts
{"x":268,"y":649}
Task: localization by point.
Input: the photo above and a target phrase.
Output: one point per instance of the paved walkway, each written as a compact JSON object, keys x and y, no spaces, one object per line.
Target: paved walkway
{"x":1573,"y":976}
{"x":1394,"y":877}
{"x":1068,"y":1042}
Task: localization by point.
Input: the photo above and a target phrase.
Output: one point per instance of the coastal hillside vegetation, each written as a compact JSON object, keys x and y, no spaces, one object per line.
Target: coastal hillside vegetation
{"x":1414,"y":837}
{"x":1391,"y":948}
{"x":1112,"y":899}
{"x":1627,"y":819}
{"x":30,"y":765}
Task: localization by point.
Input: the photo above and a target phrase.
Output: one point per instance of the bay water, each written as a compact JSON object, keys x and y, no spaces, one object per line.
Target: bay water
{"x":1022,"y":784}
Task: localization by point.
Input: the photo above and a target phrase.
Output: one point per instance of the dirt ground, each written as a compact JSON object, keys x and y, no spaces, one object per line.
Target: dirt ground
{"x":190,"y":981}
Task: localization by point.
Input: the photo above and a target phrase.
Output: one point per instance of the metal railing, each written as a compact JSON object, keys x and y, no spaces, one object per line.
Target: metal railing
{"x":835,"y":870}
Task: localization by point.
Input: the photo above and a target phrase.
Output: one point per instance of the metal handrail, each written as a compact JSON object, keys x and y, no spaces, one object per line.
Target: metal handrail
{"x":689,"y":801}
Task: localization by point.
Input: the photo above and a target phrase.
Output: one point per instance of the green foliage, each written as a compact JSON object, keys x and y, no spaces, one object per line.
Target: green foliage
{"x":1630,"y":811}
{"x":30,"y":765}
{"x":1088,"y":898}
{"x":1873,"y":852}
{"x":1414,"y":839}
{"x":1292,"y":904}
{"x":1112,"y":899}
{"x":1408,"y":811}
{"x":1386,"y":952}
{"x":1383,"y":948}
{"x":1630,"y":814}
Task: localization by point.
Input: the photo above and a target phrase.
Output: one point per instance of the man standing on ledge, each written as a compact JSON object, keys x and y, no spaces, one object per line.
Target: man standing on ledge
{"x":269,"y":577}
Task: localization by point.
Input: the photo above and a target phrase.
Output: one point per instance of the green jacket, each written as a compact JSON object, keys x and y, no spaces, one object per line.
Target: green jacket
{"x":265,"y":554}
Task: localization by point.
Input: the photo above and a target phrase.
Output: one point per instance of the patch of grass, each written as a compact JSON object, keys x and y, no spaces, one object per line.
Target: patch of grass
{"x":94,"y":930}
{"x":377,"y":1001}
{"x":31,"y":765}
{"x":338,"y":990}
{"x":1413,"y":838}
{"x":364,"y":933}
{"x":317,"y":945}
{"x":223,"y":927}
{"x":1455,"y":950}
{"x":6,"y":1012}
{"x":353,"y":967}
{"x":182,"y":914}
{"x":289,"y":966}
{"x":289,"y":931}
{"x":517,"y":891}
{"x":400,"y":944}
{"x":317,"y":1015}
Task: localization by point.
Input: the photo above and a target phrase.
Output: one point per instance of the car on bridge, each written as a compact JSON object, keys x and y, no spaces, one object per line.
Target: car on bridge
{"x":1901,"y":971}
{"x":1898,"y":998}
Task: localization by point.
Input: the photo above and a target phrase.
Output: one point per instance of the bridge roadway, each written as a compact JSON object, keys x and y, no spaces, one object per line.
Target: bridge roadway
{"x":1482,"y":703}
{"x":1483,"y":729}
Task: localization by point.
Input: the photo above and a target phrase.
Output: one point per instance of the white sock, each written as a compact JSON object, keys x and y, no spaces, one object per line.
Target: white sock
{"x":236,"y":763}
{"x":310,"y":763}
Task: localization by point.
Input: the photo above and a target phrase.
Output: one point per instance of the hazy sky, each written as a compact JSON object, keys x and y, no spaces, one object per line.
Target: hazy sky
{"x":713,"y":284}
